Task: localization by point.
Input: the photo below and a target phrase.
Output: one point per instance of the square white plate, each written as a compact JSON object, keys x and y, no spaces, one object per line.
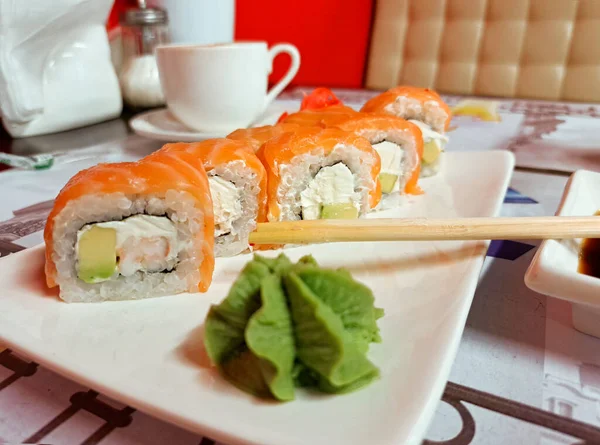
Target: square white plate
{"x":553,"y":270}
{"x":149,"y":353}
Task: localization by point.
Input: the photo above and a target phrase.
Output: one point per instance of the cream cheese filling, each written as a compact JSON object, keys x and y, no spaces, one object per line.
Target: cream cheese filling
{"x":227,"y":205}
{"x":391,"y":156}
{"x":331,"y":185}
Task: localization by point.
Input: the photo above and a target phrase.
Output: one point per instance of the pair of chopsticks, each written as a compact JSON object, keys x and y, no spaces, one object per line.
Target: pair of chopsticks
{"x":425,"y":229}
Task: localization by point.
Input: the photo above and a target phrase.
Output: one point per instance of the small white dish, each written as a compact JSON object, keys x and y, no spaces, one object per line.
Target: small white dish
{"x":553,"y":270}
{"x":161,"y":125}
{"x":149,"y":353}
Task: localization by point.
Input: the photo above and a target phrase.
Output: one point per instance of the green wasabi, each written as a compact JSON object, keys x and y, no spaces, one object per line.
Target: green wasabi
{"x":322,"y":343}
{"x":285,"y":325}
{"x":270,"y":337}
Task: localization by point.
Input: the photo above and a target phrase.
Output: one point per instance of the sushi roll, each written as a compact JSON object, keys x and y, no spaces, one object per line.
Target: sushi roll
{"x":257,"y":136}
{"x":323,"y":117}
{"x":424,"y":108}
{"x":238,"y":185}
{"x":132,"y":230}
{"x":399,"y":144}
{"x":316,"y":173}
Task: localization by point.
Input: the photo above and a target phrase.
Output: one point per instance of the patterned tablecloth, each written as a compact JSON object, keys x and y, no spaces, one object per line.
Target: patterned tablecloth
{"x":522,"y":374}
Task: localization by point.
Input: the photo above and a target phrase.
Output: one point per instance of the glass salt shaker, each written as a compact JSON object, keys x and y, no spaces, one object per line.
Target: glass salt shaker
{"x":143,"y":29}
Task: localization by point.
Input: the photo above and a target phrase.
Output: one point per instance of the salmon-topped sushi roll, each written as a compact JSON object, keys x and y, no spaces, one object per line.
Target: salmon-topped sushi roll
{"x":132,"y":230}
{"x":399,"y":144}
{"x":424,"y":108}
{"x":325,"y":117}
{"x":238,"y":185}
{"x":257,"y":136}
{"x":316,"y":173}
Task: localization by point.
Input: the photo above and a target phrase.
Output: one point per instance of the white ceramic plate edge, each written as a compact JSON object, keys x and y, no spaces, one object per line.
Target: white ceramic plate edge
{"x":428,"y":412}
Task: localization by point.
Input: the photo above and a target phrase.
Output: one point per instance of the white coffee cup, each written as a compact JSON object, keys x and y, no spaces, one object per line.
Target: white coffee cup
{"x":221,"y":87}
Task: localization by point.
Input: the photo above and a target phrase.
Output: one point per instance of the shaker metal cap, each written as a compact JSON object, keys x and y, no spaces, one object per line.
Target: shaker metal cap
{"x":144,"y":16}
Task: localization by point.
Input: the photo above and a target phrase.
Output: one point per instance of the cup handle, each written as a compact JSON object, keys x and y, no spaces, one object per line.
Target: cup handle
{"x":274,"y":51}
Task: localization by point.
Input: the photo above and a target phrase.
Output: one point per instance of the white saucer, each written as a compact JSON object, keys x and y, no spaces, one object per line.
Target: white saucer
{"x":163,"y":126}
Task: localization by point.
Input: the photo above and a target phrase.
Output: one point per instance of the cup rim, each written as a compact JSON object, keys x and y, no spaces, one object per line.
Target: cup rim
{"x":211,"y":46}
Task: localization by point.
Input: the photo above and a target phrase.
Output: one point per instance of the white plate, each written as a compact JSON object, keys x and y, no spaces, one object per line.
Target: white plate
{"x":148,"y":353}
{"x":553,"y":270}
{"x":163,"y":126}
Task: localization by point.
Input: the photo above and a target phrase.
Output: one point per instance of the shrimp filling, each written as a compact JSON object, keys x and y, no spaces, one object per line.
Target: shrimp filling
{"x":391,"y":165}
{"x":227,"y":204}
{"x":142,"y":243}
{"x":433,"y":142}
{"x":331,"y":194}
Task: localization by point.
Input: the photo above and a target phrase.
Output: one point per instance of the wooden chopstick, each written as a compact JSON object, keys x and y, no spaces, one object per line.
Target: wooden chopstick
{"x":426,"y":229}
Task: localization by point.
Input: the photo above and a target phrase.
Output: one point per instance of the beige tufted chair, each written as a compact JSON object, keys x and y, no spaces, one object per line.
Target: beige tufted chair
{"x":543,"y":49}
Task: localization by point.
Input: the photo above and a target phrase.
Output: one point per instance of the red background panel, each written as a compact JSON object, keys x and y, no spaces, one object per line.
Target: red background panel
{"x":118,"y":7}
{"x":332,"y":35}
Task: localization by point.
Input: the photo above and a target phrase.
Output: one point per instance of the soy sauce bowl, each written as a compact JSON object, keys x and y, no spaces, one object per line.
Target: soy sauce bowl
{"x":554,"y":269}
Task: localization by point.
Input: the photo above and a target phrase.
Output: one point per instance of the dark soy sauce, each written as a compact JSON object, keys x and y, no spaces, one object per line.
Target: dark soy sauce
{"x":589,"y":256}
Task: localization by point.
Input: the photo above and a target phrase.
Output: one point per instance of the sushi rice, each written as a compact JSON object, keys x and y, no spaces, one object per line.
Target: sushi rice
{"x":303,"y":170}
{"x":235,"y":190}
